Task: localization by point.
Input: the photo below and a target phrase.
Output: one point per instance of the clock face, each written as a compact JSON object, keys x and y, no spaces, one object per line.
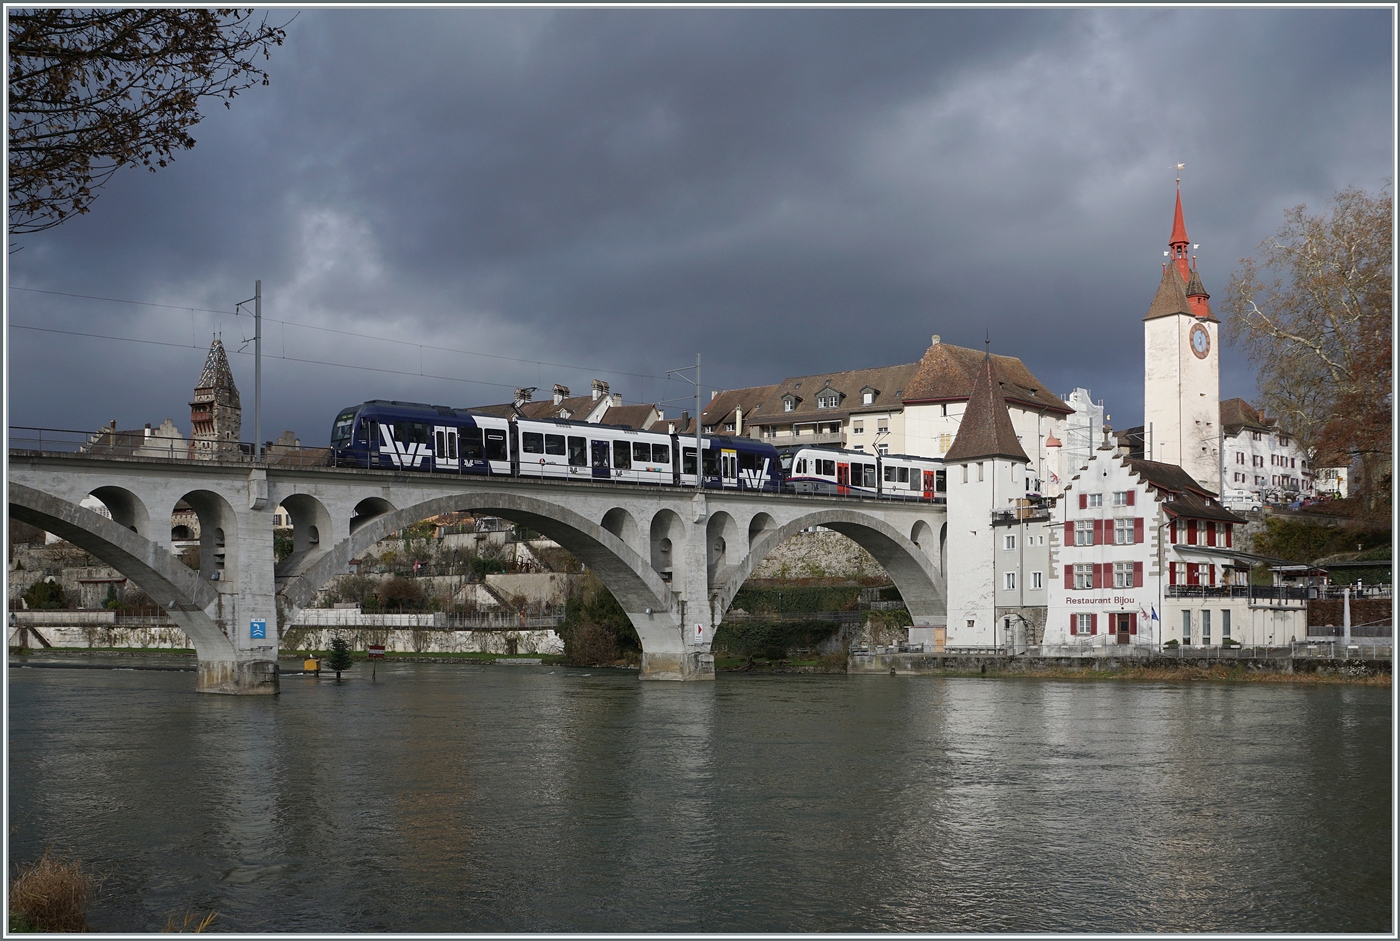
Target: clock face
{"x":1200,"y":341}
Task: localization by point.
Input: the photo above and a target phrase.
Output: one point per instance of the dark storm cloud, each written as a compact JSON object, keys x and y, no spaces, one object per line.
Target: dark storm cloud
{"x":784,"y":191}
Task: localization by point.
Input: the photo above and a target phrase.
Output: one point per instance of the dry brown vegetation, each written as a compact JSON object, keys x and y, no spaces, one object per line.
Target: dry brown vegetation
{"x":51,"y":894}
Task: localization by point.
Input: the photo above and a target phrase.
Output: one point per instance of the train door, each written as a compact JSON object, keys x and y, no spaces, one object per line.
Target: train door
{"x":930,"y":484}
{"x":602,"y":467}
{"x":729,"y":469}
{"x":843,"y":479}
{"x":445,"y":457}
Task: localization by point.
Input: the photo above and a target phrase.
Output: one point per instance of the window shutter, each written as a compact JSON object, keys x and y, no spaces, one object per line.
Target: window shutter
{"x":1069,"y":576}
{"x":1073,"y":624}
{"x":1137,"y":530}
{"x":1069,"y":532}
{"x":1084,"y":501}
{"x":1191,"y":530}
{"x":1171,"y":573}
{"x":1174,"y":540}
{"x":1210,"y":534}
{"x":1132,"y":497}
{"x":1098,"y":575}
{"x":1137,"y":576}
{"x":1132,"y":624}
{"x":1229,"y":535}
{"x":1212,"y":574}
{"x":1093,"y":624}
{"x":1098,"y":533}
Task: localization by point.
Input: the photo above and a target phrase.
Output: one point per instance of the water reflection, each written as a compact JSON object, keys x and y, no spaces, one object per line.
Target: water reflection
{"x":484,"y":798}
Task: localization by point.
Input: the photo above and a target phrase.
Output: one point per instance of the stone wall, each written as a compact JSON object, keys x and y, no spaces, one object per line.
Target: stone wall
{"x":819,"y":554}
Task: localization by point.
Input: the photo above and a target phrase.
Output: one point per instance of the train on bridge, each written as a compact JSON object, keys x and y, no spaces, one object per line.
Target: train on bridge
{"x":444,"y":440}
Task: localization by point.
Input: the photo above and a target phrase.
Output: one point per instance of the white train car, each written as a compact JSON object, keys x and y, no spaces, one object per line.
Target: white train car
{"x":858,"y":474}
{"x":581,"y":451}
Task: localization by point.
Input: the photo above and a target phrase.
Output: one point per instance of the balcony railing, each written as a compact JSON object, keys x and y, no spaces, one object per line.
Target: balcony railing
{"x":1251,"y":592}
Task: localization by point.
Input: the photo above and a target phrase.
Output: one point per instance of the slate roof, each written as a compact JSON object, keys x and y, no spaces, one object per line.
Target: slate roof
{"x":631,"y":416}
{"x":217,"y":374}
{"x":577,"y":406}
{"x":946,"y":374}
{"x":1191,"y":506}
{"x":986,"y":430}
{"x":888,"y":381}
{"x":1170,"y":299}
{"x":720,"y":408}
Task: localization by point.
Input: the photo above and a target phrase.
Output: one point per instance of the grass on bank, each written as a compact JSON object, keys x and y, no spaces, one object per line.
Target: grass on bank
{"x":50,"y":894}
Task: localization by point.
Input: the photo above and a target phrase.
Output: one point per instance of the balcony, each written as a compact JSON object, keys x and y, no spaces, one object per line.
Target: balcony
{"x":1254,"y":593}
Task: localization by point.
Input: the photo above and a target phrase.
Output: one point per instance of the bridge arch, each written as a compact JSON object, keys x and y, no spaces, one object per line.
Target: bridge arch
{"x":218,"y":537}
{"x":667,"y":541}
{"x":625,"y":573}
{"x":723,"y":543}
{"x":760,"y":524}
{"x":914,"y":573}
{"x":126,"y":509}
{"x":622,"y":525}
{"x":184,"y":595}
{"x":368,"y":510}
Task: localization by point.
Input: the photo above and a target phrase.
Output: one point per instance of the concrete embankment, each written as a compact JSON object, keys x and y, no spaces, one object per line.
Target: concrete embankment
{"x":1304,"y":669}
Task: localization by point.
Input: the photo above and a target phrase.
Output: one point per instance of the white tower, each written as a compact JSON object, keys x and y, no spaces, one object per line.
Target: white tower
{"x":1181,"y":388}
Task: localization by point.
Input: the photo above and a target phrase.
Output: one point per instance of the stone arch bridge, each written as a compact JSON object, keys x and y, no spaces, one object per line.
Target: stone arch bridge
{"x":672,"y":557}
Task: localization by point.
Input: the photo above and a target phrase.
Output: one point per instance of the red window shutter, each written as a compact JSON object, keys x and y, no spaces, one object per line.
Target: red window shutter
{"x":1132,"y":497}
{"x":1073,"y":624}
{"x":1084,"y":501}
{"x":1093,"y":624}
{"x":1132,"y":624}
{"x":1137,"y":574}
{"x":1210,"y":534}
{"x":1229,"y":535}
{"x":1098,"y":575}
{"x":1137,"y":530}
{"x":1171,"y":573}
{"x":1191,"y":532}
{"x":1069,"y":576}
{"x":1069,"y":532}
{"x":1212,"y":574}
{"x":1173,"y":532}
{"x":1193,"y":573}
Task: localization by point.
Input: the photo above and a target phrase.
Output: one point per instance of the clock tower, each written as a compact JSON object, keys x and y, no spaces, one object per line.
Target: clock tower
{"x":1181,"y":387}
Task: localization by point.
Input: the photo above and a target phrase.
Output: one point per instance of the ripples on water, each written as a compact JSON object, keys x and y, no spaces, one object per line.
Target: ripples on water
{"x":483,"y":798}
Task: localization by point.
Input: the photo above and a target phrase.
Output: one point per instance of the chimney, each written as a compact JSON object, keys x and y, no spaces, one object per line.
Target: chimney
{"x":685,"y":420}
{"x":937,"y":339}
{"x":523,"y":395}
{"x":560,"y":393}
{"x":713,"y":393}
{"x":600,"y":389}
{"x":739,"y":420}
{"x":617,"y":398}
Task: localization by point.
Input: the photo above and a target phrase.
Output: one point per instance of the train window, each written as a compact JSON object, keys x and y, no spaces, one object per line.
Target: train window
{"x":687,"y":460}
{"x":748,"y":461}
{"x":369,"y":432}
{"x":340,"y":434}
{"x":641,"y":452}
{"x":578,"y":452}
{"x":496,"y":445}
{"x":828,"y":468}
{"x":870,"y":480}
{"x":452,"y":444}
{"x":532,"y":442}
{"x":661,"y":453}
{"x":802,"y":466}
{"x":942,"y":481}
{"x":554,"y":444}
{"x":471,"y":444}
{"x":622,"y":455}
{"x":889,"y":474}
{"x":441,"y":450}
{"x":711,"y":460}
{"x":904,"y":475}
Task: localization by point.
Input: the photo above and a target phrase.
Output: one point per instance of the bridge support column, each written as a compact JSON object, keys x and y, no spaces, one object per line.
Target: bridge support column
{"x":238,"y":677}
{"x":694,"y":663}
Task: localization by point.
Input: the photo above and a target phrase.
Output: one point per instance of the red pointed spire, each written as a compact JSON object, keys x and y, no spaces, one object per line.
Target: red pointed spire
{"x":1179,"y":242}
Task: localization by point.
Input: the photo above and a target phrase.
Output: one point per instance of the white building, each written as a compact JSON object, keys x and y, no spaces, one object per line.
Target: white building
{"x":1260,"y":459}
{"x":996,"y":552}
{"x":1146,"y":556}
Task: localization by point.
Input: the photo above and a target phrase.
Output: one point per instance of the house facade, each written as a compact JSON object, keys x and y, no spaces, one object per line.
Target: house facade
{"x":1146,"y":556}
{"x":1261,"y":459}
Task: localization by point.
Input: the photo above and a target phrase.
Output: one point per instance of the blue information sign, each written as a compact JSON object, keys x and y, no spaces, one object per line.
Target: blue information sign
{"x":257,"y":629}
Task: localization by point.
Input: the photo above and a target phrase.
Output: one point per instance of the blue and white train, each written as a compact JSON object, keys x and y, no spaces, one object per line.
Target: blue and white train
{"x":413,"y":436}
{"x":438,"y":439}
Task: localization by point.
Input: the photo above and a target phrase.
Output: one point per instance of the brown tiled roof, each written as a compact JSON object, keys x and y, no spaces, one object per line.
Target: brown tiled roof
{"x":1237,"y":414}
{"x":1194,"y":287}
{"x":1192,"y":506}
{"x":946,"y":373}
{"x":721,"y":407}
{"x":578,"y":406}
{"x":1167,"y":477}
{"x":888,"y":382}
{"x":986,"y":430}
{"x":632,"y":416}
{"x":1171,"y":295}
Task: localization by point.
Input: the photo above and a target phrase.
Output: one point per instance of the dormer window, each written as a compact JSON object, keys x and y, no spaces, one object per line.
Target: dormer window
{"x":790,"y":403}
{"x":828,"y":400}
{"x":868,"y":395}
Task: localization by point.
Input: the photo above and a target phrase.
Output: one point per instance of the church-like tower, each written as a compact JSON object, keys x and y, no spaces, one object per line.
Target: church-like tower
{"x":1181,"y":387}
{"x":215,"y":413}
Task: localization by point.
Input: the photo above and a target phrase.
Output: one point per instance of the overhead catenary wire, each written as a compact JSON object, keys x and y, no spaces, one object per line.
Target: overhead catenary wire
{"x":346,"y":333}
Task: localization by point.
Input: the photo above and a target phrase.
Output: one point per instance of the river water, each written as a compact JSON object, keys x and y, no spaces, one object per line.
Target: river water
{"x":536,"y":798}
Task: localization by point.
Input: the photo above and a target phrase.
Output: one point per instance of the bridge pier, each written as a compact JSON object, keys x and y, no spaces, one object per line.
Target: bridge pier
{"x":693,"y":664}
{"x":238,"y":677}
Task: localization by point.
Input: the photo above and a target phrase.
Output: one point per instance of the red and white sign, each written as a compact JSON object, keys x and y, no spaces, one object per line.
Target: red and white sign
{"x":376,"y":651}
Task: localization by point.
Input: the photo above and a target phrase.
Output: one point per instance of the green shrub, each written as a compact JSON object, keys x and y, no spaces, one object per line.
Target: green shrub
{"x":46,"y":594}
{"x":596,"y":630}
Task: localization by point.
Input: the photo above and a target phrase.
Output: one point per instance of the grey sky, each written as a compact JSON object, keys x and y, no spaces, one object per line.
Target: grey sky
{"x":785,"y":192}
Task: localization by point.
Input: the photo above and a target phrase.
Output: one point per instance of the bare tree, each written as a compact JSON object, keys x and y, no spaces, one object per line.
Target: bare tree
{"x":1319,"y":331}
{"x":94,"y":90}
